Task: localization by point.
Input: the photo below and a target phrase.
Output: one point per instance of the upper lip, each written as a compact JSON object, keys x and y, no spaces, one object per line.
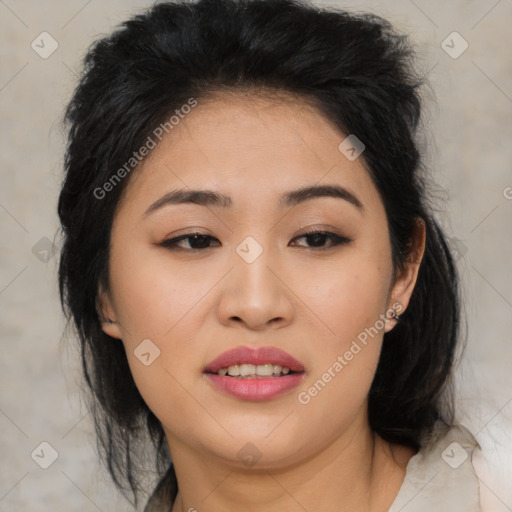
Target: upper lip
{"x":248,"y":355}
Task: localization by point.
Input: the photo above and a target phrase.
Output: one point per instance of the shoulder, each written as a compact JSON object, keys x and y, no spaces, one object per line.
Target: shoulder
{"x":441,"y":476}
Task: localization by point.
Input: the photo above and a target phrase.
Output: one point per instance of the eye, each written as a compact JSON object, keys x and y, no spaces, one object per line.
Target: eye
{"x":196,"y":241}
{"x":318,"y":239}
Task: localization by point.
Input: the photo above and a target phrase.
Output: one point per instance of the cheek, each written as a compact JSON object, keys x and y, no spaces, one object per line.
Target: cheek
{"x":166,"y":304}
{"x":347,"y":355}
{"x":346,"y":296}
{"x":154,"y":296}
{"x":349,"y":299}
{"x":352,"y":316}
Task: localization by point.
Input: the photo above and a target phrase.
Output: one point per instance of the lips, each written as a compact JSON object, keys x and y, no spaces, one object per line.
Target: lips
{"x":255,"y":356}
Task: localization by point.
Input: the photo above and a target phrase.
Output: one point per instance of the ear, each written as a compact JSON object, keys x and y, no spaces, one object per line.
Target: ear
{"x":406,"y":280}
{"x":106,"y":313}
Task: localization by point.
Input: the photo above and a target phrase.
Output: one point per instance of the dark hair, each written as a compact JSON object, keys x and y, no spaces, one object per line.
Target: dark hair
{"x":357,"y":71}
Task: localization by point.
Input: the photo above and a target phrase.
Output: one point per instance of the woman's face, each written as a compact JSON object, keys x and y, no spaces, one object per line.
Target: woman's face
{"x":256,"y":279}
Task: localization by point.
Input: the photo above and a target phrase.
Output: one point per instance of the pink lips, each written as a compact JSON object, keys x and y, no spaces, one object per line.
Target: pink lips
{"x":247,"y":355}
{"x":256,"y":388}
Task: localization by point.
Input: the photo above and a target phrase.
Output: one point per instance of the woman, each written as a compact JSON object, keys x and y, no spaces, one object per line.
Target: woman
{"x":259,"y":286}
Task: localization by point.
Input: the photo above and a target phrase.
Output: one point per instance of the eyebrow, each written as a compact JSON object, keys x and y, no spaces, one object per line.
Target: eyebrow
{"x":288,"y":199}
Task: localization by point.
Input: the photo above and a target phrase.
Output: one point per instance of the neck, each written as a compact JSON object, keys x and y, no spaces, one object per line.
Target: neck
{"x":358,"y":471}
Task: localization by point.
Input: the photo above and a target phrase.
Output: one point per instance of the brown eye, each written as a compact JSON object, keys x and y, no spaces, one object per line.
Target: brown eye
{"x":317,"y":239}
{"x":196,"y":241}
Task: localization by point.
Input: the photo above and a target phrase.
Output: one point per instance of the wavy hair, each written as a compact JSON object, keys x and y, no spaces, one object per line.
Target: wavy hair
{"x":357,"y":71}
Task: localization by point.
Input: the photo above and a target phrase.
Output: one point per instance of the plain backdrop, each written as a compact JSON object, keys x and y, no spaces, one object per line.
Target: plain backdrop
{"x":467,"y":146}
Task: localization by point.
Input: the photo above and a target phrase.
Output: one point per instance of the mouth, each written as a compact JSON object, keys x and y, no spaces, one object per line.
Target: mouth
{"x":255,"y":374}
{"x":247,"y":362}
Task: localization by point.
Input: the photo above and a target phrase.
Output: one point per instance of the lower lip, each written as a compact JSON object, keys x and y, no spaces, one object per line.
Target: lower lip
{"x":255,"y":389}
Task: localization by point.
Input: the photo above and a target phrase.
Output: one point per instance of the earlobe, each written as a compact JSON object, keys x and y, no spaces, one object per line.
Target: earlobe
{"x":406,"y":281}
{"x":393,"y":315}
{"x":107,"y":315}
{"x":111,"y":328}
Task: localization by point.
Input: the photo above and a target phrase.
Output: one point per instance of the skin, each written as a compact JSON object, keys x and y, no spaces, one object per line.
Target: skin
{"x":311,"y":303}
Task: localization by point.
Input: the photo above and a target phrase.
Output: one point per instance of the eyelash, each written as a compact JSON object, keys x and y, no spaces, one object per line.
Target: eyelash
{"x":171,"y":243}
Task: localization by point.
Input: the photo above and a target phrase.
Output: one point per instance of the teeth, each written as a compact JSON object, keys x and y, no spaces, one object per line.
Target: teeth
{"x":233,"y":371}
{"x":251,"y":370}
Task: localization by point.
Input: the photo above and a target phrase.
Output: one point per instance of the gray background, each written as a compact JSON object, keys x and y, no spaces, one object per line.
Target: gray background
{"x":468,"y":127}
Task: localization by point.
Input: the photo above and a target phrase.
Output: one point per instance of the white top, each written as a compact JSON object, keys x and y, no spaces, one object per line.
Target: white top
{"x":439,"y":478}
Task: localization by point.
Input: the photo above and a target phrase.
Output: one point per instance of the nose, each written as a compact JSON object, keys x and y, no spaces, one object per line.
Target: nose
{"x":256,"y":295}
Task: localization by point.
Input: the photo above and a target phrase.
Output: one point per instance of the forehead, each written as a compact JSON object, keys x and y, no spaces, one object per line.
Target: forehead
{"x":249,"y":145}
